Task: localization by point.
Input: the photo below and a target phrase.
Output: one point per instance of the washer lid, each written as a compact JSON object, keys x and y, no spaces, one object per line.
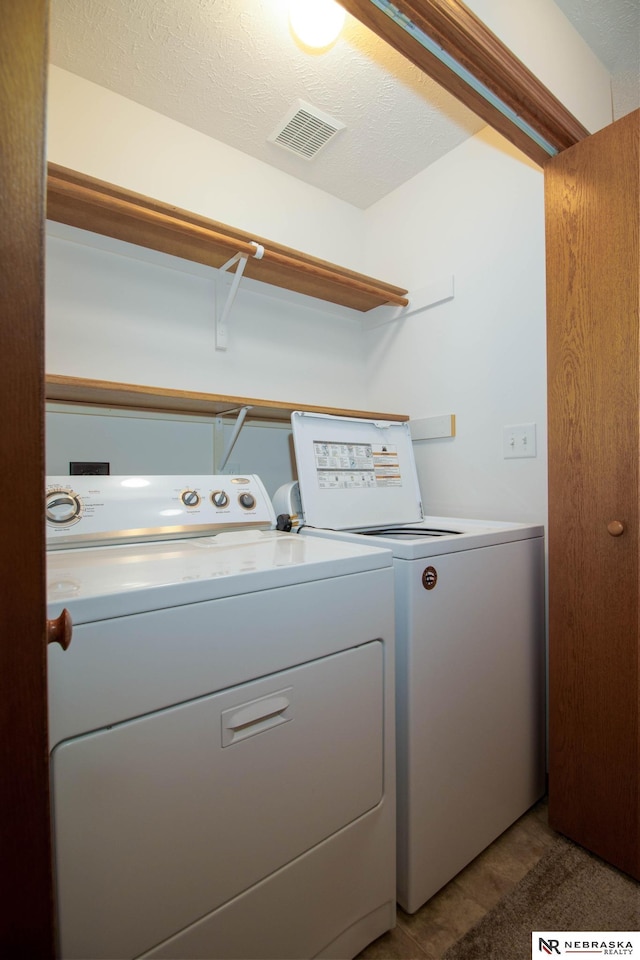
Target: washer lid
{"x":355,"y":473}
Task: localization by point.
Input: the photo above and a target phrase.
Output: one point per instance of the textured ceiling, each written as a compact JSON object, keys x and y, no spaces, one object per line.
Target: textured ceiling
{"x":610,"y":27}
{"x":232,"y":69}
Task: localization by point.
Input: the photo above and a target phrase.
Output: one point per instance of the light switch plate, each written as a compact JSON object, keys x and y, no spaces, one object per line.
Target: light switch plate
{"x":519,"y":440}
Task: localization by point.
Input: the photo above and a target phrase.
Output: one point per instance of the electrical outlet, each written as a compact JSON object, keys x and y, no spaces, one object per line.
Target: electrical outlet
{"x":519,"y":441}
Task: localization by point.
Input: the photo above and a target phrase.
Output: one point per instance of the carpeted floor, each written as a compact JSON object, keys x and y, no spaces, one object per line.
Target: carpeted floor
{"x":569,"y":889}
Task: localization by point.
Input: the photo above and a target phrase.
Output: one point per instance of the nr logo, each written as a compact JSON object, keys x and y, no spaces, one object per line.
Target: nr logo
{"x":548,"y":946}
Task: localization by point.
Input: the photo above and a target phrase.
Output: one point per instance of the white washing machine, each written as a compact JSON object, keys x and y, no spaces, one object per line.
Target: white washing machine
{"x":469,"y":643}
{"x":221,"y":726}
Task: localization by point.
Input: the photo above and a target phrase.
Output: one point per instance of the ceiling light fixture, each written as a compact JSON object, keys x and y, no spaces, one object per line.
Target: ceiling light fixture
{"x":316,"y":23}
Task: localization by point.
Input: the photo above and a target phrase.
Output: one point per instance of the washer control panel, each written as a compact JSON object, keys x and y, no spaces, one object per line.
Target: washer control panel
{"x":98,"y":509}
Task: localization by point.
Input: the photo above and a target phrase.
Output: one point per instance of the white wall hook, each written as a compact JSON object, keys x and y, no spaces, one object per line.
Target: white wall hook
{"x":222,"y":316}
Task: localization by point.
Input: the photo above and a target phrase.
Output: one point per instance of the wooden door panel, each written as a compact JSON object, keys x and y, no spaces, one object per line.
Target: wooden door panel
{"x":26,"y":912}
{"x":591,"y":193}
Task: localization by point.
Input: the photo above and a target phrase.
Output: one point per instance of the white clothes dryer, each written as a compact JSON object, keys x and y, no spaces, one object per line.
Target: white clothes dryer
{"x":221,"y":726}
{"x":469,"y":607}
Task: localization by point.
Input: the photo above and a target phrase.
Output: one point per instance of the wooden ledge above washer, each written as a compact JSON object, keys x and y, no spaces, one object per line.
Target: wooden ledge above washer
{"x":81,"y":201}
{"x":131,"y":396}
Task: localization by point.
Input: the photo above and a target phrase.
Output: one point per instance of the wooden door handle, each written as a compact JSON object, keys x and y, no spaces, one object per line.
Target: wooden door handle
{"x":60,"y":629}
{"x":615,"y":528}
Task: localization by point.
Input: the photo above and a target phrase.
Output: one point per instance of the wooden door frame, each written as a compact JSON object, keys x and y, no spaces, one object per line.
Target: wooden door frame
{"x":465,"y":38}
{"x":26,"y":921}
{"x":26,"y":905}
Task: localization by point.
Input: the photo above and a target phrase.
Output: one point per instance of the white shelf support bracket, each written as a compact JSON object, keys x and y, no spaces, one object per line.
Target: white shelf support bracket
{"x":419,"y":300}
{"x":222,"y":316}
{"x":234,"y":436}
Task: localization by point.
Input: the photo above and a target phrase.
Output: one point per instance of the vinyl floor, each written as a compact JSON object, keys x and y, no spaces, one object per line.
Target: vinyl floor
{"x":427,"y":934}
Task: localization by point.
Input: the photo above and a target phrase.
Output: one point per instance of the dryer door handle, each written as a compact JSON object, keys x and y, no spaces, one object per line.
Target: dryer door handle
{"x":60,"y":629}
{"x":245,"y":720}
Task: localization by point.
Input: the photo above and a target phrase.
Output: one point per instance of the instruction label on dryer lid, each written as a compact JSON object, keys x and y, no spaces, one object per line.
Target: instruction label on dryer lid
{"x":349,"y":465}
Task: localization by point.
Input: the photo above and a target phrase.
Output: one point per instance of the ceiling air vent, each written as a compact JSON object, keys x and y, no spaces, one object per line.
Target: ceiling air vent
{"x":305,"y":130}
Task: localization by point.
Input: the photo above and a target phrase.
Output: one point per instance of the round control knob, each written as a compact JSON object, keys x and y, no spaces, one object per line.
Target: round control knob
{"x":247,"y":500}
{"x":615,"y":528}
{"x":219,"y":498}
{"x":190,"y":498}
{"x":62,"y":507}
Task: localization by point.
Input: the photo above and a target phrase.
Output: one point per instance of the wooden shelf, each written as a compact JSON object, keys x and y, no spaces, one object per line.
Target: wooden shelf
{"x":82,"y":201}
{"x":131,"y":396}
{"x":91,"y":204}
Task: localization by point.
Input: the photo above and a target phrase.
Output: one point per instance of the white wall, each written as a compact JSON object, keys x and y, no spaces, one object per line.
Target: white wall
{"x":110,"y":137}
{"x":154,"y":443}
{"x":115,"y":312}
{"x":148,"y":318}
{"x":145,"y":444}
{"x":477,"y":214}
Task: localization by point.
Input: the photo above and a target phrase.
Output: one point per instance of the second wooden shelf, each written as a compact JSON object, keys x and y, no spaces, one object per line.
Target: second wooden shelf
{"x":132,"y":396}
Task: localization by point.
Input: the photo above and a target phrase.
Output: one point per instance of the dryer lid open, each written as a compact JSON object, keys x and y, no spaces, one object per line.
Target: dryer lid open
{"x":355,"y":473}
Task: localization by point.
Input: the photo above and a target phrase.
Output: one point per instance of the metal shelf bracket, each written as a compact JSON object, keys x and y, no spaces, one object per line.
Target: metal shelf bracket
{"x":242,"y":412}
{"x":222,"y":316}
